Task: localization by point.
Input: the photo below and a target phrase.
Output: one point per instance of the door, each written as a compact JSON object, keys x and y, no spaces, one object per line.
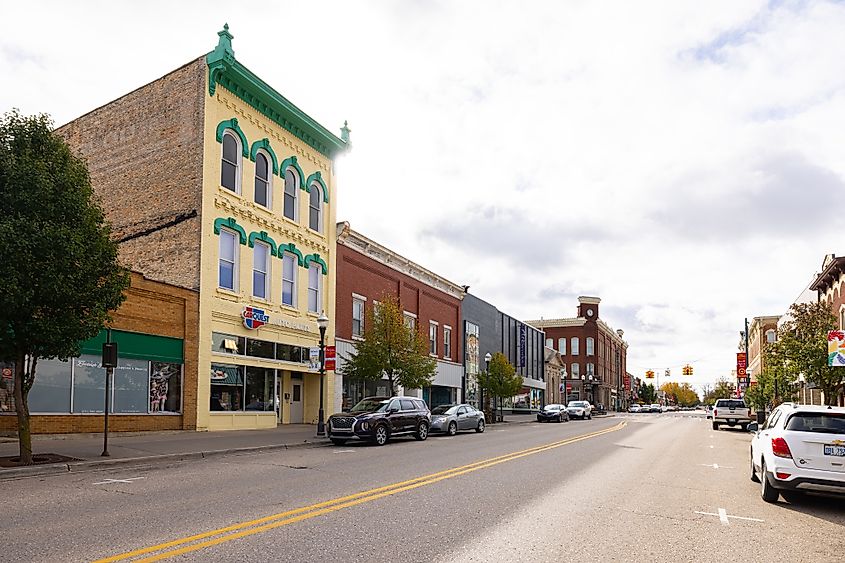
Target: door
{"x":278,"y":398}
{"x":296,"y":403}
{"x":464,"y":420}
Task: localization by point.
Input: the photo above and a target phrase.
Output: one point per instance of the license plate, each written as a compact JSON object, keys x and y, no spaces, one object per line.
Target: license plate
{"x":831,"y":449}
{"x":732,"y":421}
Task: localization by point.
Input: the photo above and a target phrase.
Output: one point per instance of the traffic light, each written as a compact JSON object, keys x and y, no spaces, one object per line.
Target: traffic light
{"x":649,"y":374}
{"x":687,"y":370}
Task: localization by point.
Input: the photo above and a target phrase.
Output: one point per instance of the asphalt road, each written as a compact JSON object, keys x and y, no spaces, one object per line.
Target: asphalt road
{"x":635,"y":487}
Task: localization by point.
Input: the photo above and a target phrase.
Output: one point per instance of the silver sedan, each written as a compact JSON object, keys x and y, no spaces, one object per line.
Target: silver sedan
{"x":452,"y":418}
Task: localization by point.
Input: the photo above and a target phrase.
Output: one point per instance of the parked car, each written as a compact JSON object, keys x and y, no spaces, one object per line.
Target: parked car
{"x":709,"y":410}
{"x":799,"y":448}
{"x":452,"y":418}
{"x":732,"y":412}
{"x":553,"y":412}
{"x":654,"y":407}
{"x":378,"y":419}
{"x":579,"y":409}
{"x":635,"y":408}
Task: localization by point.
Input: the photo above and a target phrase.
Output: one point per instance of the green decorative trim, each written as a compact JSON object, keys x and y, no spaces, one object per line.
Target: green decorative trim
{"x":223,"y":69}
{"x":233,"y":125}
{"x":264,"y":144}
{"x":263,"y":237}
{"x":230,"y":223}
{"x":316,"y":258}
{"x":290,"y":162}
{"x":317,"y":177}
{"x":290,"y":247}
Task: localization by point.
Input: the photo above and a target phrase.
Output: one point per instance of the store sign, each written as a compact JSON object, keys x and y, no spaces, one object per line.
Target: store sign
{"x":254,"y":317}
{"x":627,"y":381}
{"x":7,"y":373}
{"x":331,"y":353}
{"x":522,"y":337}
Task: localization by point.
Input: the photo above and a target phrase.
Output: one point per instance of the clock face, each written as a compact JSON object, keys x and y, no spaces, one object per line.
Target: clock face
{"x":589,"y":312}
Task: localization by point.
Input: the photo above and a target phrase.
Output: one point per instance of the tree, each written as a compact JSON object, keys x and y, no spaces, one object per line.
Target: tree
{"x":773,"y":385}
{"x":648,"y":394}
{"x":723,"y":389}
{"x":392,"y":348}
{"x":681,"y":394}
{"x":61,"y":275}
{"x":802,"y":346}
{"x":500,"y":380}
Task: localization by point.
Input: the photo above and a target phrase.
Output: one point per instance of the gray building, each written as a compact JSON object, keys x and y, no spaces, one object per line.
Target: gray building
{"x":486,"y":330}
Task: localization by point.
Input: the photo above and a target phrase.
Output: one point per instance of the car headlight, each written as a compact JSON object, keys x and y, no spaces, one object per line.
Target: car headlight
{"x":365,"y":425}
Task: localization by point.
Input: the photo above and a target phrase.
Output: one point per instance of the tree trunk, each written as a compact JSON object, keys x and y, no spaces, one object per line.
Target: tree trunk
{"x":22,"y":409}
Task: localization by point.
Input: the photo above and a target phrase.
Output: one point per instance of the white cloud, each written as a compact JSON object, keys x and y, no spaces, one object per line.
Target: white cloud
{"x":619,"y":148}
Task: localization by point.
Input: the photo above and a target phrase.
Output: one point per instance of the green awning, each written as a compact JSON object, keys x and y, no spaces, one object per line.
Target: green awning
{"x":222,"y":374}
{"x":137,"y":346}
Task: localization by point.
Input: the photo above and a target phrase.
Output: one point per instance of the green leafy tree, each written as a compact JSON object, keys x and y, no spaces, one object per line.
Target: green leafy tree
{"x":500,"y":380}
{"x":61,"y":275}
{"x":773,"y":384}
{"x":391,"y":348}
{"x":648,"y":394}
{"x":802,"y":348}
{"x":723,"y":389}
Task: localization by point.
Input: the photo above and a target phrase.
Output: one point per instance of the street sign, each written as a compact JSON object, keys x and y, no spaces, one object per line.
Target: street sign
{"x":331,"y":361}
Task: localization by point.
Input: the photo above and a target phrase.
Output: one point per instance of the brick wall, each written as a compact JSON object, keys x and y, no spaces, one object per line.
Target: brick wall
{"x":144,"y":154}
{"x":150,"y":308}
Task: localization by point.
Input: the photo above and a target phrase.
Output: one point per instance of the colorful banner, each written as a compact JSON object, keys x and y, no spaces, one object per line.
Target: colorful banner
{"x":741,"y":364}
{"x":836,"y":348}
{"x":331,"y":358}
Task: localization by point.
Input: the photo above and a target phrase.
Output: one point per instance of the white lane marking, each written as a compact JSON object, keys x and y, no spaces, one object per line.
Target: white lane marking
{"x":715,"y":466}
{"x":711,"y":447}
{"x":724,"y":516}
{"x":343,"y":451}
{"x":108,"y":481}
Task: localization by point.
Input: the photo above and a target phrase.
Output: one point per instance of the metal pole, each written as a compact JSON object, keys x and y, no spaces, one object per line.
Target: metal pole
{"x":106,"y":406}
{"x":321,"y":425}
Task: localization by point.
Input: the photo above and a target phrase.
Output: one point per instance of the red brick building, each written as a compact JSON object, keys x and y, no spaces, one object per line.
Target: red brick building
{"x":595,"y":355}
{"x":830,"y":286}
{"x":366,"y":272}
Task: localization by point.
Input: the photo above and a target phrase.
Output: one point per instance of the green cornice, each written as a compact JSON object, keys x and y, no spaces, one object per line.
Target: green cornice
{"x":230,"y":223}
{"x":264,"y":144}
{"x":316,"y":258}
{"x":233,"y":125}
{"x":263,"y":237}
{"x":290,"y":247}
{"x":291,"y":162}
{"x":318,"y":178}
{"x":225,"y":70}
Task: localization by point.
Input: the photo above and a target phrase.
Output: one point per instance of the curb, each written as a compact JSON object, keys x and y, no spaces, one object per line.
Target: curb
{"x":105,"y":464}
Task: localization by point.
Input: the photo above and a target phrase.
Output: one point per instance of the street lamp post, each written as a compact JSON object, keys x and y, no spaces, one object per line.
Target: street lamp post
{"x":322,"y":323}
{"x":487,"y":358}
{"x":583,"y":387}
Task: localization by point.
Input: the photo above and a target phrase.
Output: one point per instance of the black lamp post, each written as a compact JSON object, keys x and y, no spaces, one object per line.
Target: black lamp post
{"x":487,"y":358}
{"x":322,"y":323}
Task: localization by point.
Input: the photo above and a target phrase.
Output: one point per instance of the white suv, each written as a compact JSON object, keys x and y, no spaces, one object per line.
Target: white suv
{"x":799,"y":448}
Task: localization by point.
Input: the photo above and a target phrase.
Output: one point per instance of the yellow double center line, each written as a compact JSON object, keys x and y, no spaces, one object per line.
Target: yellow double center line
{"x":251,"y":527}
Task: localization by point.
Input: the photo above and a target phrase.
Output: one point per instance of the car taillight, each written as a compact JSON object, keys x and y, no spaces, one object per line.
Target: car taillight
{"x":715,"y":412}
{"x":780,"y":448}
{"x":781,"y":475}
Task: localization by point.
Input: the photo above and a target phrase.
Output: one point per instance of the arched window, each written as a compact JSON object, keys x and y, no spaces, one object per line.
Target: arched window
{"x":591,"y":346}
{"x":576,"y":345}
{"x":549,"y":343}
{"x":561,"y":345}
{"x":263,"y":191}
{"x":291,"y":186}
{"x":230,"y":165}
{"x":771,"y":335}
{"x":315,"y":208}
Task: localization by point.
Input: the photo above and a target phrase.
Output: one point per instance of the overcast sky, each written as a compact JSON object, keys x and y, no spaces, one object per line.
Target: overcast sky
{"x":684,"y":161}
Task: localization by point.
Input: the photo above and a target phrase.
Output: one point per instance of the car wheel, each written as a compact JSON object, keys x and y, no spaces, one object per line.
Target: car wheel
{"x":338,"y":441}
{"x":744,"y":427}
{"x":539,"y":419}
{"x":381,"y":435}
{"x":792,"y":497}
{"x":480,"y":427}
{"x":753,"y":471}
{"x":453,"y":429}
{"x":589,"y":417}
{"x":422,"y":432}
{"x":767,"y":492}
{"x":715,"y":426}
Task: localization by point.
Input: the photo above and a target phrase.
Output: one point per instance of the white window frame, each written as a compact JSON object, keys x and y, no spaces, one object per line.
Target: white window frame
{"x":410,"y":319}
{"x":288,"y":255}
{"x":432,"y":337}
{"x":318,"y":290}
{"x":550,"y":343}
{"x":591,"y":368}
{"x":238,"y":164}
{"x":842,"y":317}
{"x":266,"y":155}
{"x":575,"y":367}
{"x":590,"y":346}
{"x":296,"y":181}
{"x":315,"y":188}
{"x":774,"y":334}
{"x":575,"y":346}
{"x":225,"y":234}
{"x":447,"y":342}
{"x":362,"y":301}
{"x":561,"y":346}
{"x":266,"y":272}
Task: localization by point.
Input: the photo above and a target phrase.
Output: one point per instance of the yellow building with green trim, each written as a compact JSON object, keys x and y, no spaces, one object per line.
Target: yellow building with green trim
{"x":215,"y":182}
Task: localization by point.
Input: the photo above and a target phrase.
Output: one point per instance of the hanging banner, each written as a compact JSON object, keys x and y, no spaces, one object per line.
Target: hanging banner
{"x":331,"y":362}
{"x":836,"y":348}
{"x":741,"y":364}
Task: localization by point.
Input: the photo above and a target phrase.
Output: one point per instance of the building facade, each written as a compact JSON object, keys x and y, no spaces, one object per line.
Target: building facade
{"x":156,"y":332}
{"x":216,"y":183}
{"x":596,"y":355}
{"x":486,"y":330}
{"x":830,"y":288}
{"x":555,"y":369}
{"x":761,"y":331}
{"x":368,"y":271}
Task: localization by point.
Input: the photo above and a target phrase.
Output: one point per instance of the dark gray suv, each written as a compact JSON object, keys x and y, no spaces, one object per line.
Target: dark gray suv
{"x":378,"y":419}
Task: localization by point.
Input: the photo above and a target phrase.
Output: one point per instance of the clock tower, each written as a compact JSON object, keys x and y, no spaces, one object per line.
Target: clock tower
{"x":588,"y":308}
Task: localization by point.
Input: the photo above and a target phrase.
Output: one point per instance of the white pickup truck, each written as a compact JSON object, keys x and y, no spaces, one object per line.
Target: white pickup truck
{"x":731,"y":412}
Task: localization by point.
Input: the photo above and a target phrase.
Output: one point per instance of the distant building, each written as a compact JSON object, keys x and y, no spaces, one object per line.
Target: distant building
{"x":595,"y":353}
{"x":555,"y":370}
{"x":761,"y":331}
{"x":830,"y":289}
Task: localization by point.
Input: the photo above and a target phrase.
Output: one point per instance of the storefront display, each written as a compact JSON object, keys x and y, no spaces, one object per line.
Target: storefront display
{"x":242,"y":388}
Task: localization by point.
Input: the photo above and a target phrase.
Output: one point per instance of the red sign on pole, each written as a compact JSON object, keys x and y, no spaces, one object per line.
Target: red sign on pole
{"x":741,"y":364}
{"x":330,"y":358}
{"x":627,"y":380}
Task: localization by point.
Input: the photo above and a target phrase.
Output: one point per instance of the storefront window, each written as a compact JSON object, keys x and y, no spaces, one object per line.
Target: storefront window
{"x":131,"y":386}
{"x":89,"y":383}
{"x":259,"y":389}
{"x":7,"y":387}
{"x":226,"y":388}
{"x":165,"y":387}
{"x":51,"y":390}
{"x":260,"y":348}
{"x":227,"y":343}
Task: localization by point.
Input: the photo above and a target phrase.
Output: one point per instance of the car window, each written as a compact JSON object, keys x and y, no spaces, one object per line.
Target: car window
{"x":462,"y":410}
{"x":730,"y":404}
{"x":407,"y":405}
{"x":420,"y":405}
{"x":370,"y":405}
{"x":772,"y":420}
{"x":821,"y":422}
{"x":394,"y":404}
{"x":444,"y":409}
